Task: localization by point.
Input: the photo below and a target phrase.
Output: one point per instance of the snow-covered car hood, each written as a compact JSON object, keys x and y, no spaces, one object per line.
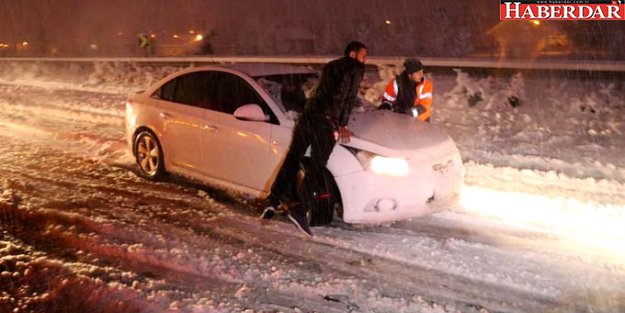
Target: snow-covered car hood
{"x":394,"y":134}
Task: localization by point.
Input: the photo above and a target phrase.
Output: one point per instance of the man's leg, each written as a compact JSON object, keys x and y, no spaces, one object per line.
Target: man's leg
{"x":284,"y":185}
{"x":322,"y":144}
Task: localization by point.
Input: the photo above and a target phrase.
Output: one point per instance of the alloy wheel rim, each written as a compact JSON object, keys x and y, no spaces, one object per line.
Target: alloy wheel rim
{"x":148,"y":155}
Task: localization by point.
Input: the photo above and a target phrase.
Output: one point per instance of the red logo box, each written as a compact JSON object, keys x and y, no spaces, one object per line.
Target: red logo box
{"x":562,"y":10}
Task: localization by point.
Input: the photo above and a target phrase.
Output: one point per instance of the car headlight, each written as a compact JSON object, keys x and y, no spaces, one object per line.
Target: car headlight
{"x":383,"y":165}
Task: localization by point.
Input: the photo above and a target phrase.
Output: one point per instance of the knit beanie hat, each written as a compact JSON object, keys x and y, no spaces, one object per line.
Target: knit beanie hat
{"x":412,"y":65}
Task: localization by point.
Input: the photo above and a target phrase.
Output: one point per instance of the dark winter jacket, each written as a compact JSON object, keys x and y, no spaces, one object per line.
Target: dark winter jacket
{"x":336,"y":94}
{"x":406,"y":93}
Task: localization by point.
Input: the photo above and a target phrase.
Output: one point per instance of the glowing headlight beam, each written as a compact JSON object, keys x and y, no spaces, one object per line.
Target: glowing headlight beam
{"x":383,"y":165}
{"x":583,"y":225}
{"x":390,"y":166}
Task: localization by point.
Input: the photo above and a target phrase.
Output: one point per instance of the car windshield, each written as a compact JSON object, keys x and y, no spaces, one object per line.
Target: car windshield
{"x":289,"y":91}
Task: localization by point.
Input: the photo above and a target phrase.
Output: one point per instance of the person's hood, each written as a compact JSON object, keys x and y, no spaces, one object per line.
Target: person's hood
{"x":393,"y":134}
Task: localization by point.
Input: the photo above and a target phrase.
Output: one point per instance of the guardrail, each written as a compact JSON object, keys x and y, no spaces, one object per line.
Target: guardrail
{"x":591,"y":66}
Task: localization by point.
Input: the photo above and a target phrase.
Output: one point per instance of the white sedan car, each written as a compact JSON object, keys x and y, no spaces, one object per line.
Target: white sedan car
{"x":230,"y":126}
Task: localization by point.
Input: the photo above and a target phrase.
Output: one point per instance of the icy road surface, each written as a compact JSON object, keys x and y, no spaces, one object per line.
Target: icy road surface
{"x":539,"y":228}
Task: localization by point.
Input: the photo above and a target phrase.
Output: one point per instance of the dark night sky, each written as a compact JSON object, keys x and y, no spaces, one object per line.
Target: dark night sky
{"x":422,"y":27}
{"x":27,"y":16}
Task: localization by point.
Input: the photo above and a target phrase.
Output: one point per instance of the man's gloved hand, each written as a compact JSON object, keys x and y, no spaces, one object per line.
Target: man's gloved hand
{"x":415,"y":112}
{"x":345,"y":134}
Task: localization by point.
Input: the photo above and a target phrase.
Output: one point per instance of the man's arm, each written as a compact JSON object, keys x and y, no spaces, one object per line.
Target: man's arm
{"x":390,"y":93}
{"x":341,"y":96}
{"x":423,"y":102}
{"x":390,"y":96}
{"x":351,"y":80}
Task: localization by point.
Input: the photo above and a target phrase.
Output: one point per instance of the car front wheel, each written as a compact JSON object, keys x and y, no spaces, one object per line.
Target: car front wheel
{"x":321,"y":199}
{"x":149,"y":155}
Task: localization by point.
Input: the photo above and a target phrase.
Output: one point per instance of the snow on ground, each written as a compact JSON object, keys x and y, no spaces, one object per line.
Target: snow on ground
{"x":538,"y":227}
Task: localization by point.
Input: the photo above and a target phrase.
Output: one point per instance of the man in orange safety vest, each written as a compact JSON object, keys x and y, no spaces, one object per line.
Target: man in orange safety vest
{"x":410,"y":92}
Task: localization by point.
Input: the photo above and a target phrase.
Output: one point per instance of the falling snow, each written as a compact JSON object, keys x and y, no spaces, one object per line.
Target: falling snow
{"x":538,"y":228}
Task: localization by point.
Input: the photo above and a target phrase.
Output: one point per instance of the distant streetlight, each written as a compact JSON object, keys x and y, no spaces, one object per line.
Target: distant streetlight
{"x":176,"y":36}
{"x":535,"y":22}
{"x":192,"y":32}
{"x":199,"y":37}
{"x":387,"y":22}
{"x":25,"y":44}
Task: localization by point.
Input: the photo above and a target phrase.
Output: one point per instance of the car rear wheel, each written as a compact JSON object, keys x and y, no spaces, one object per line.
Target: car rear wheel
{"x":149,"y":155}
{"x":321,"y":199}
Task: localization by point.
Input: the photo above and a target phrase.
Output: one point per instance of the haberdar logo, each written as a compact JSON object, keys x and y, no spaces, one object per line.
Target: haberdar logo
{"x":562,"y":10}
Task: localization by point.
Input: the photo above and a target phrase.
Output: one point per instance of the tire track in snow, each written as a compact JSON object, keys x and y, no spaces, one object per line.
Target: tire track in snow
{"x":232,"y":230}
{"x":156,"y":218}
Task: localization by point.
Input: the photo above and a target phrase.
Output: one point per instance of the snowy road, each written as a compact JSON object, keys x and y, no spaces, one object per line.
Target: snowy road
{"x":82,"y":233}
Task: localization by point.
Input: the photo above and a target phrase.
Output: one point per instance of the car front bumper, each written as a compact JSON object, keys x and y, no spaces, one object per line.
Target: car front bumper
{"x":373,"y":198}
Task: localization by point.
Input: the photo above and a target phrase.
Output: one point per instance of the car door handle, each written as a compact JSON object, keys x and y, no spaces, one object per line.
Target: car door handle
{"x":210,"y":128}
{"x":165,"y":115}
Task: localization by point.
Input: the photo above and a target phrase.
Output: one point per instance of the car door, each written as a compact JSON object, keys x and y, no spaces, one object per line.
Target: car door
{"x":184,"y":129}
{"x":244,"y":148}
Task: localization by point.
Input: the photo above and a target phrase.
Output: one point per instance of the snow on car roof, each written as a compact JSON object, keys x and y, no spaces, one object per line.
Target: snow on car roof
{"x":266,"y":69}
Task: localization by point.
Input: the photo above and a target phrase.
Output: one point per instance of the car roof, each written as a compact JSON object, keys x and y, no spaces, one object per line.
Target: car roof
{"x":267,"y":69}
{"x":254,"y":70}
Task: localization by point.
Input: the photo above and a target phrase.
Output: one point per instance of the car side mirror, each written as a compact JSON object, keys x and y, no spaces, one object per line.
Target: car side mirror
{"x":251,"y":112}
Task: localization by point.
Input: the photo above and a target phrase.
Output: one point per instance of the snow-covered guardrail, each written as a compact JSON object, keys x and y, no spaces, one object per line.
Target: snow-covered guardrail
{"x":571,"y":65}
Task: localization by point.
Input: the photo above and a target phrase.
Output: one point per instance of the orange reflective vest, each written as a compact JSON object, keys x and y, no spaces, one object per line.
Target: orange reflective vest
{"x":423,"y":99}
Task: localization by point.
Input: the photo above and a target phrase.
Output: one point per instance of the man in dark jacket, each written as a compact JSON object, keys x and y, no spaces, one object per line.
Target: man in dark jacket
{"x":323,"y":122}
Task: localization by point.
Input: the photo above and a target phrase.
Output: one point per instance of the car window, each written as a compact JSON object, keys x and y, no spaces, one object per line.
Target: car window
{"x":214,"y":90}
{"x":233,"y":92}
{"x":196,"y":89}
{"x":290,"y":91}
{"x":167,"y":91}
